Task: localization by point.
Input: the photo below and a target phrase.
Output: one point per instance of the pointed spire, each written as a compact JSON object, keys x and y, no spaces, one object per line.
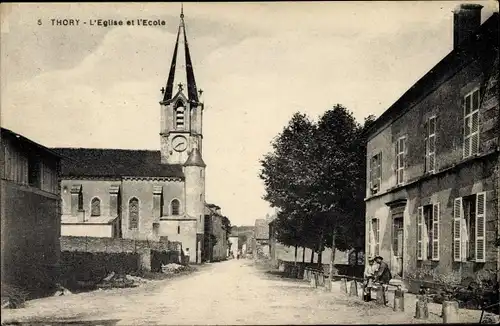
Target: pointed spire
{"x":191,"y":82}
{"x":167,"y":95}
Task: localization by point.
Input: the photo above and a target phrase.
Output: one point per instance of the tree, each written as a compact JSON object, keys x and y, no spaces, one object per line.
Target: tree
{"x":287,"y":180}
{"x":316,"y":177}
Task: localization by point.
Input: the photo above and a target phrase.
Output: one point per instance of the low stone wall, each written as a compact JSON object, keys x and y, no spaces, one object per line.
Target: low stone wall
{"x":77,"y":266}
{"x":112,"y":245}
{"x":93,"y":255}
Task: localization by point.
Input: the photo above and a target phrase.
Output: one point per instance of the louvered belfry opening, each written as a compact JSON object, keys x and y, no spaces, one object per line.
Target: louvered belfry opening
{"x":180,"y":113}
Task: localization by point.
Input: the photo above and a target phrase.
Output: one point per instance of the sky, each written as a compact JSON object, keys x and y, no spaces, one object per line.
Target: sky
{"x":258,"y":64}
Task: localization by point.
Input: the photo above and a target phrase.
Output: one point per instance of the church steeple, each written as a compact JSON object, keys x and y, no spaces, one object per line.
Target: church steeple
{"x":192,"y":91}
{"x":181,"y":109}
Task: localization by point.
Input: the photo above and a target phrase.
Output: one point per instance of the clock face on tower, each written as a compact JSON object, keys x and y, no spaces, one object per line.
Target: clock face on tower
{"x":179,"y":143}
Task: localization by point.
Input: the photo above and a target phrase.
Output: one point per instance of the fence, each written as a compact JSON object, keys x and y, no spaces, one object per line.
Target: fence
{"x":338,"y":269}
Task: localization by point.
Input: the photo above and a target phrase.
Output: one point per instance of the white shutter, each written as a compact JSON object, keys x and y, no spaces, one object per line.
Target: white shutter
{"x":420,"y":235}
{"x":480,"y":227}
{"x":396,"y":165}
{"x":370,"y":184}
{"x":377,"y":237}
{"x":458,"y":213}
{"x":435,"y":232}
{"x":370,"y":251}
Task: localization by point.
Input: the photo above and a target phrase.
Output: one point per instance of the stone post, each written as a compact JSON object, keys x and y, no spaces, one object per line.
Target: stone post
{"x":343,"y":285}
{"x":421,"y":309}
{"x":450,"y":312}
{"x":353,"y":289}
{"x":381,"y":295}
{"x":321,"y":279}
{"x":328,"y":285}
{"x":399,"y":300}
{"x":314,"y":283}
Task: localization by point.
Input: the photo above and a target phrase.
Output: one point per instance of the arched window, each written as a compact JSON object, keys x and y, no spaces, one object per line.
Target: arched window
{"x":174,"y":207}
{"x":95,"y":207}
{"x":80,"y":200}
{"x":133,"y":213}
{"x":179,"y":116}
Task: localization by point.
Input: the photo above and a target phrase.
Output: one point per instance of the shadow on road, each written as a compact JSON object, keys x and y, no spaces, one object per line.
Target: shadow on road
{"x":276,"y":273}
{"x":105,"y":322}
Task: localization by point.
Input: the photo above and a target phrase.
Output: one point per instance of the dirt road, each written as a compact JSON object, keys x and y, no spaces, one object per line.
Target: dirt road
{"x":231,"y":292}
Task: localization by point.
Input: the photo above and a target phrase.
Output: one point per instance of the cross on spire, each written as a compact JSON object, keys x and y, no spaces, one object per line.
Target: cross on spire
{"x":180,"y":86}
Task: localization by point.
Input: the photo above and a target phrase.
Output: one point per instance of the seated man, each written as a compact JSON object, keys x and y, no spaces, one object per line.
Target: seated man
{"x":369,"y":276}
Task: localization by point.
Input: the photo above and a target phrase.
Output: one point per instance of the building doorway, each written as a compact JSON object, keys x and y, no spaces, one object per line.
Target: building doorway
{"x":397,"y":246}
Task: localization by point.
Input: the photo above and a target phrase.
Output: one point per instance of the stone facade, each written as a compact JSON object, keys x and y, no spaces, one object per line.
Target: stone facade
{"x":432,"y":192}
{"x":215,"y":233}
{"x":30,"y":213}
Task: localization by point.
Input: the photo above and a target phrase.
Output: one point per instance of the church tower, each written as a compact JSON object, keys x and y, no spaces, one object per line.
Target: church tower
{"x":182,"y":111}
{"x":181,"y":143}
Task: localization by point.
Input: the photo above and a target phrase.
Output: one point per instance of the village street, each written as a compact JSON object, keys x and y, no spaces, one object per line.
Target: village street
{"x":231,"y":292}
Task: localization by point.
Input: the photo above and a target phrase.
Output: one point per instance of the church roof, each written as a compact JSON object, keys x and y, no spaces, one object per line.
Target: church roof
{"x":192,"y":91}
{"x":95,"y":162}
{"x":195,"y":159}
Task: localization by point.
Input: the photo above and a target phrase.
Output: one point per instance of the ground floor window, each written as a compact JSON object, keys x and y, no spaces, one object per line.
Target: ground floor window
{"x":469,"y":227}
{"x":428,"y":220}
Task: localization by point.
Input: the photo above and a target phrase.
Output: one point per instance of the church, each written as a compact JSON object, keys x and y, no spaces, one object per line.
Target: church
{"x":144,"y":194}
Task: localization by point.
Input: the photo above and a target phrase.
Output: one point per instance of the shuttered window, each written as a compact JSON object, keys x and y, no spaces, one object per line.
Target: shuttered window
{"x":420,"y":233}
{"x":458,"y":212}
{"x":480,"y":227}
{"x":435,"y":231}
{"x":471,"y":123}
{"x":370,"y":239}
{"x":375,"y":173}
{"x":400,"y":160}
{"x":376,"y":235}
{"x":430,"y":145}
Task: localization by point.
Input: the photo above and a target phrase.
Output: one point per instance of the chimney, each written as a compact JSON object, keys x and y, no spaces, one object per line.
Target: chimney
{"x":466,"y":19}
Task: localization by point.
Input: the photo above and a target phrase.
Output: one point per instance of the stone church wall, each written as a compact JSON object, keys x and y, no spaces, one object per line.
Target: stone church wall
{"x":90,"y":189}
{"x":143,"y":190}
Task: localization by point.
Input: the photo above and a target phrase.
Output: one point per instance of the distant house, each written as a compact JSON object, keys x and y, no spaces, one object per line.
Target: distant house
{"x":215,"y":233}
{"x":233,"y":244}
{"x":30,"y":213}
{"x":432,"y":194}
{"x":262,"y":237}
